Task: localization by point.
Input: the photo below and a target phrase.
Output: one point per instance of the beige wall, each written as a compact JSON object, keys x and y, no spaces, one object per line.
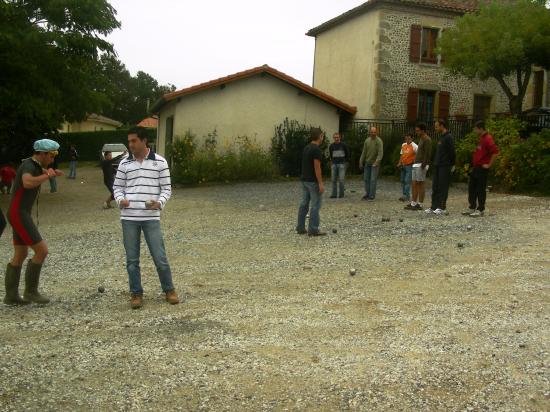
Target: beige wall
{"x":530,"y":94}
{"x":249,"y":107}
{"x":86,"y":126}
{"x":345,"y":59}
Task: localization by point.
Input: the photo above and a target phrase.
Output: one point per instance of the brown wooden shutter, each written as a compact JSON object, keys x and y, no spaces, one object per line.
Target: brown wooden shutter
{"x":412,"y":105}
{"x":444,"y":101}
{"x":416,"y":40}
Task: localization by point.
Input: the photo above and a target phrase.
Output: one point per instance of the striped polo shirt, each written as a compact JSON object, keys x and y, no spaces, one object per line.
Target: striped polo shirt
{"x":141,"y":181}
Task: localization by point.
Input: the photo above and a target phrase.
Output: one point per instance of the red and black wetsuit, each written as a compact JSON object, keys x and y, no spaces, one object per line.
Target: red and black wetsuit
{"x":25,"y":232}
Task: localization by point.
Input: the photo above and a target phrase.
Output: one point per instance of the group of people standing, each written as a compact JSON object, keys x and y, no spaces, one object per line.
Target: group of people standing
{"x":414,"y":162}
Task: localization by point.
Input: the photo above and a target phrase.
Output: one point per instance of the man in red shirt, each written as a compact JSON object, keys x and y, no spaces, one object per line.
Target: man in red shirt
{"x":7,"y":174}
{"x":482,"y":160}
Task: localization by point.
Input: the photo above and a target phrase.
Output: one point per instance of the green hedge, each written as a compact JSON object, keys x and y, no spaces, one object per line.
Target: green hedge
{"x":89,"y":144}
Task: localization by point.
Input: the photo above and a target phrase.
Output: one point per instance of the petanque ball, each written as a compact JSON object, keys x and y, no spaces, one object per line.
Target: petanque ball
{"x":101,"y":289}
{"x":334,"y":231}
{"x":352,"y":272}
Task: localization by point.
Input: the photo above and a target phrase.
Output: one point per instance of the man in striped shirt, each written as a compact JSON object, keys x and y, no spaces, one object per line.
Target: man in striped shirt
{"x":141,"y":189}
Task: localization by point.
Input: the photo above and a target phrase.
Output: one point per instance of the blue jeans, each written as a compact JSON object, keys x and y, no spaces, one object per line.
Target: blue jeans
{"x":338,"y":175}
{"x":131,"y":233}
{"x":406,"y":179}
{"x":72,"y":169}
{"x":370,"y":176}
{"x":310,"y":195}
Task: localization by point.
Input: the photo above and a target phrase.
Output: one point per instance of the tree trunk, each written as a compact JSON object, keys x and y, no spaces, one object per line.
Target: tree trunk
{"x":515,"y":104}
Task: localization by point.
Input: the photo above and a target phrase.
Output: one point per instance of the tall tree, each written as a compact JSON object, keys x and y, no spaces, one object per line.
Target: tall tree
{"x":503,"y":40}
{"x":128,"y":97}
{"x":49,"y":51}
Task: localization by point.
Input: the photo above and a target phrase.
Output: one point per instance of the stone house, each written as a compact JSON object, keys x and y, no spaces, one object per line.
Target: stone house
{"x":380,"y":57}
{"x":249,"y":103}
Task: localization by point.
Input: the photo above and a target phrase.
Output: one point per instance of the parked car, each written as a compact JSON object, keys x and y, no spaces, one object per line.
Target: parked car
{"x":117,"y":150}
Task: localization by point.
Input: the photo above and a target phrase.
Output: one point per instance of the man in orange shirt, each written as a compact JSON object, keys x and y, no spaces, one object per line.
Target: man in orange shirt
{"x":406,"y":160}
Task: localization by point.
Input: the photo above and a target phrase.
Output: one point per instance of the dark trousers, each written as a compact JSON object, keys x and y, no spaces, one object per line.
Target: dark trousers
{"x":2,"y":222}
{"x":477,"y":188}
{"x":441,"y":180}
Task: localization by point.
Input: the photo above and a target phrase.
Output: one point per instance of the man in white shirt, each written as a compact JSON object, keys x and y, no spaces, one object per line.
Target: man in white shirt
{"x":141,"y":189}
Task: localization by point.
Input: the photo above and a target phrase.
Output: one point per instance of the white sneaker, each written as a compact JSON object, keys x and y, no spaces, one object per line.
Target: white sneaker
{"x":468,"y":212}
{"x":441,"y":212}
{"x":476,"y":213}
{"x":429,"y":210}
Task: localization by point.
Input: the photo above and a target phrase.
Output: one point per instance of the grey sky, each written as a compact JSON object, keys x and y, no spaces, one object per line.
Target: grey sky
{"x":188,"y":42}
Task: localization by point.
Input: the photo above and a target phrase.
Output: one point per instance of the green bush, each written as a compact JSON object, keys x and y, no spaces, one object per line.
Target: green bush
{"x":287,"y":146}
{"x":525,"y":165}
{"x":242,"y":160}
{"x":89,"y":144}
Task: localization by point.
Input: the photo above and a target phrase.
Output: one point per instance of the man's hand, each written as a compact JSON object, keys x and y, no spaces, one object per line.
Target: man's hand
{"x":124,"y":203}
{"x":486,"y":166}
{"x":59,"y":172}
{"x":154,"y":205}
{"x":50,"y":172}
{"x":375,"y":164}
{"x":321,"y":188}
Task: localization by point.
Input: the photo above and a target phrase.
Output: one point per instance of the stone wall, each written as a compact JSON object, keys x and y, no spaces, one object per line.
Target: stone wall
{"x":395,"y":74}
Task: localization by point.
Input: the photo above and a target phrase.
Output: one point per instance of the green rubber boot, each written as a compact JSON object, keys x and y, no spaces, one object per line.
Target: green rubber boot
{"x":13,"y":274}
{"x":32,"y":278}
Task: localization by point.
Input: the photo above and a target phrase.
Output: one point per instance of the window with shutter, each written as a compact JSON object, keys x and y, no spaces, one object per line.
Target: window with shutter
{"x":415,"y":43}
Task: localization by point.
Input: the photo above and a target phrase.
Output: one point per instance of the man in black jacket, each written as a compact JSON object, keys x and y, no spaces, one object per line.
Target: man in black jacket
{"x":443,"y":165}
{"x":107,"y":165}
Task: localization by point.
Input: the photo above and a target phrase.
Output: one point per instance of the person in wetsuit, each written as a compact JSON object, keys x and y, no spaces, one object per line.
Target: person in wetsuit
{"x":30,"y":175}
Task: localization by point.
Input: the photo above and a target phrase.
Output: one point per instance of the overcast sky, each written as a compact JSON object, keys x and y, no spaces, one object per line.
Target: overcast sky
{"x":186,"y":42}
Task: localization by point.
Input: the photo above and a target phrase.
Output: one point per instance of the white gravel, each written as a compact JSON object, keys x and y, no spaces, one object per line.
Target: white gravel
{"x":271,"y":320}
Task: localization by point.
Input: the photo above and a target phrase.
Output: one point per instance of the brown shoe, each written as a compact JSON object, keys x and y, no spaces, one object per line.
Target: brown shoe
{"x":136,"y":301}
{"x":172,"y":297}
{"x":316,"y":234}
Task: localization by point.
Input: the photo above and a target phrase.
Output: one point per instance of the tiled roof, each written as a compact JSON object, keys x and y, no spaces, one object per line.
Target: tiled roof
{"x":452,"y":6}
{"x":248,"y":73}
{"x":149,"y":122}
{"x":103,"y":119}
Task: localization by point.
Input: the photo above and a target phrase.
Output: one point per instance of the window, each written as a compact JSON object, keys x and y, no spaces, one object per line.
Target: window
{"x":482,"y":106}
{"x":426,"y":104}
{"x":423,"y":43}
{"x":538,"y":92}
{"x":429,"y":41}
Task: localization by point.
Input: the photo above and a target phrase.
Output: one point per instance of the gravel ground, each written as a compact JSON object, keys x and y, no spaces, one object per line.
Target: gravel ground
{"x":271,"y":320}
